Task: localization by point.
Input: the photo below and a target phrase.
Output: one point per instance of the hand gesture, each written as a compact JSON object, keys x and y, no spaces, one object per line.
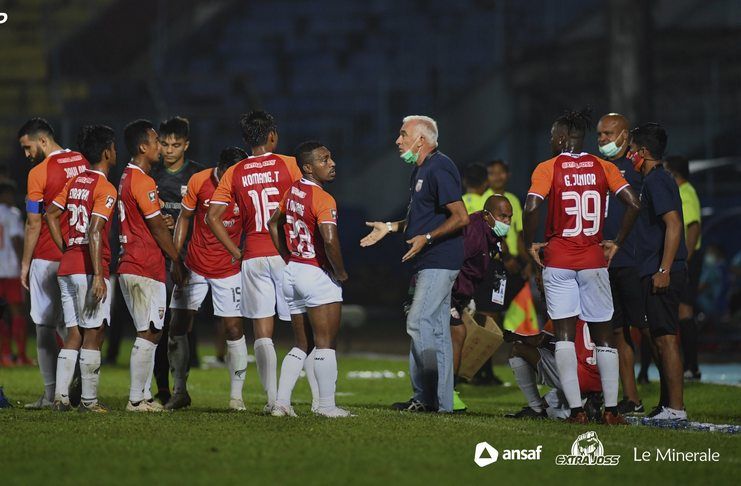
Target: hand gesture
{"x":418,"y":242}
{"x":379,"y":231}
{"x":534,"y":252}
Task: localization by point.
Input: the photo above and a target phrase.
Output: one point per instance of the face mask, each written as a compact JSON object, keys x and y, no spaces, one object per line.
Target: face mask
{"x":637,"y":161}
{"x":500,"y":229}
{"x":410,"y":157}
{"x":610,"y":149}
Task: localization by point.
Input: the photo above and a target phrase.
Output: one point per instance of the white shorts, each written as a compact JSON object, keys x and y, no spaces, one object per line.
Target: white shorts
{"x":225,"y":293}
{"x":583,"y":293}
{"x":262,"y":281}
{"x":77,"y":303}
{"x":146,"y":300}
{"x":46,"y":302}
{"x":309,"y":286}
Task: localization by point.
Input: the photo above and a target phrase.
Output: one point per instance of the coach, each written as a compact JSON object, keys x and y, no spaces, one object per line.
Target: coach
{"x":432,"y":228}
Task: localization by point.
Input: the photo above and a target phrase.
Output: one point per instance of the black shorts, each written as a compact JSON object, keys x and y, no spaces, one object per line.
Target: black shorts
{"x":662,"y":310}
{"x":627,"y":298}
{"x":694,"y":268}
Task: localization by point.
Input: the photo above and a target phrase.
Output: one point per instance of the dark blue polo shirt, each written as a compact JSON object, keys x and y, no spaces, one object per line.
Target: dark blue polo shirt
{"x":659,"y":195}
{"x":626,"y":255}
{"x":434,"y":184}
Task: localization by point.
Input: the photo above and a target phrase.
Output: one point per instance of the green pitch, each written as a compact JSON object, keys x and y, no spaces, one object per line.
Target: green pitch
{"x":207,"y":444}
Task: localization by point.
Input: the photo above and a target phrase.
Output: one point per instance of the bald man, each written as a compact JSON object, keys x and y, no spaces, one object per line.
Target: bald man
{"x":482,"y":242}
{"x":612,"y":139}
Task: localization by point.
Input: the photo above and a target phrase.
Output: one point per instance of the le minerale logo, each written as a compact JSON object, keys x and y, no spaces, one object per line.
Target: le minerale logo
{"x":673,"y":455}
{"x":587,"y":450}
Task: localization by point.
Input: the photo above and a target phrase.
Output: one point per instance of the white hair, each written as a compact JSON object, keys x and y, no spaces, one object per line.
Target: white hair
{"x":427,"y":127}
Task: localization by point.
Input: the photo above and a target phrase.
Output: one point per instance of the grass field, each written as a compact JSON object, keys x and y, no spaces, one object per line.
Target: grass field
{"x":208,"y":444}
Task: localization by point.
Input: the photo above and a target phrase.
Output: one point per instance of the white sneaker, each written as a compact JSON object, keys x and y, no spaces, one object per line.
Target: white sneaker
{"x":39,"y":404}
{"x":314,"y":407}
{"x":670,"y":414}
{"x":155,"y":405}
{"x":268,"y":408}
{"x":237,"y":404}
{"x":335,"y":412}
{"x":143,"y":406}
{"x":283,"y":411}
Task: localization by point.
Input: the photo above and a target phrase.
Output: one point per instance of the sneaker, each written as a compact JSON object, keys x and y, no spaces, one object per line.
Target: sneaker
{"x":143,"y":406}
{"x":282,"y":411}
{"x":655,"y":411}
{"x":690,"y":375}
{"x":527,"y":413}
{"x":156,"y":405}
{"x":268,"y":408}
{"x":609,"y":418}
{"x":94,"y":407}
{"x":670,"y":414}
{"x":60,"y":406}
{"x":237,"y":404}
{"x":335,"y":412}
{"x":4,"y":402}
{"x":40,"y":404}
{"x":177,"y":401}
{"x":579,"y":418}
{"x":6,"y":361}
{"x":458,"y":405}
{"x":411,"y":406}
{"x":315,"y":407}
{"x":163,"y":396}
{"x":628,"y":407}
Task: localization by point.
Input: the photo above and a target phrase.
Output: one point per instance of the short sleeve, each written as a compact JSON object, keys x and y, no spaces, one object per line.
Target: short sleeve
{"x":661,"y":190}
{"x":292,"y":168}
{"x":105,"y":201}
{"x":223,"y":193}
{"x":447,"y":182}
{"x":190,"y":200}
{"x":542,"y":179}
{"x":61,"y":199}
{"x":325,"y":208}
{"x":145,"y":194}
{"x":35,"y":193}
{"x":615,"y":180}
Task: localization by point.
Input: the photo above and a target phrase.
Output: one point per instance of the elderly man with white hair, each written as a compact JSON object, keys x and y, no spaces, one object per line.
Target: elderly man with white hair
{"x":432,"y":228}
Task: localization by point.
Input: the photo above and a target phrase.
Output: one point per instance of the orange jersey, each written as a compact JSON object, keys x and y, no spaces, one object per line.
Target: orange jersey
{"x":306,"y":206}
{"x":576,"y":186}
{"x":257,"y":185}
{"x":206,"y":255}
{"x":138,"y":201}
{"x":44,"y":183}
{"x":86,"y":195}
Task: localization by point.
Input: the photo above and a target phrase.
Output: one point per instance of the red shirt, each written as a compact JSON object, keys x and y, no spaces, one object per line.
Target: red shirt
{"x":256,"y":185}
{"x":44,"y":183}
{"x":206,"y":255}
{"x":306,"y":206}
{"x":86,"y":195}
{"x":138,"y":201}
{"x":586,"y":357}
{"x":576,"y":186}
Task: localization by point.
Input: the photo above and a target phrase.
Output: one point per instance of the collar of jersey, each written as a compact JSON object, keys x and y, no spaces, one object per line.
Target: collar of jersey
{"x":60,"y":151}
{"x":132,"y":166}
{"x":572,"y":154}
{"x":97,"y":172}
{"x":261,"y":155}
{"x":306,"y":181}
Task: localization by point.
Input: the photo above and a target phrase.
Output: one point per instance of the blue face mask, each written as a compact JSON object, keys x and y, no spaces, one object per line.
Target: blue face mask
{"x":500,"y":229}
{"x":611,"y":149}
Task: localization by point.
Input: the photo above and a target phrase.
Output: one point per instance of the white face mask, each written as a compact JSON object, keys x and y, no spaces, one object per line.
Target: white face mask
{"x":611,"y":149}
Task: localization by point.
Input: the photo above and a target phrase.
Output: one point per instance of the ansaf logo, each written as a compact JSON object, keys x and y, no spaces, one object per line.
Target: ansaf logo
{"x":486,"y":455}
{"x":587,"y":450}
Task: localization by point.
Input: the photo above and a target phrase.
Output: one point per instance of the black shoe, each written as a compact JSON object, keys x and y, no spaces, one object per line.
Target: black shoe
{"x":627,"y":407}
{"x":411,"y":406}
{"x":527,"y":413}
{"x":656,"y":410}
{"x":163,"y":396}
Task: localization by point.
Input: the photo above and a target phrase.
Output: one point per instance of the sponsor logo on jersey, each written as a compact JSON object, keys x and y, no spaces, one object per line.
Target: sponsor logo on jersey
{"x":333,"y":212}
{"x":183,"y":190}
{"x":418,"y":187}
{"x":152,"y":196}
{"x":110,"y":201}
{"x":587,"y":450}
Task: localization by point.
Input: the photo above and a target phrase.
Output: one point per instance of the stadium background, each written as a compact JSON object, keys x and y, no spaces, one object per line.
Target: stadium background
{"x":494,"y":73}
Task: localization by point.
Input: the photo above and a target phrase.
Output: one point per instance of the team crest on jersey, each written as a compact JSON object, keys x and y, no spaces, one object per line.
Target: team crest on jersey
{"x":183,"y":190}
{"x":333,"y":212}
{"x":110,"y":201}
{"x":152,"y":196}
{"x":418,"y":187}
{"x":236,"y":210}
{"x":162,"y":312}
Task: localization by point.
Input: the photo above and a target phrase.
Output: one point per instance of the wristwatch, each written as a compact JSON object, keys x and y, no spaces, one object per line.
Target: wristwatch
{"x":428,"y":237}
{"x":662,"y":270}
{"x":389,"y":227}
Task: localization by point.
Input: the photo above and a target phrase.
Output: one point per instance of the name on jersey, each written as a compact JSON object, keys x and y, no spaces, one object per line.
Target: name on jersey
{"x":71,"y":172}
{"x":260,"y":178}
{"x":69,"y":160}
{"x":577,"y":165}
{"x":580,"y":180}
{"x":80,"y":240}
{"x":295,"y":206}
{"x":80,"y":194}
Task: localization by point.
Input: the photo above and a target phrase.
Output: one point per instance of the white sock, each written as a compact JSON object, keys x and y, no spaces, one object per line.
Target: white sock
{"x":46,"y":354}
{"x":66,"y":362}
{"x":525,"y":378}
{"x":236,"y":359}
{"x":267,"y":363}
{"x":178,"y":354}
{"x":609,"y":373}
{"x":311,"y":377}
{"x":325,"y":368}
{"x":567,"y":374}
{"x":141,"y":366}
{"x":290,"y":370}
{"x":148,"y":384}
{"x":90,"y":374}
